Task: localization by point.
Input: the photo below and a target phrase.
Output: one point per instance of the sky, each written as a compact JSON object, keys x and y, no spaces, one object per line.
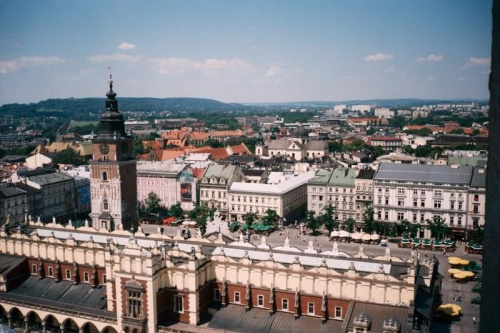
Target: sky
{"x":245,"y":51}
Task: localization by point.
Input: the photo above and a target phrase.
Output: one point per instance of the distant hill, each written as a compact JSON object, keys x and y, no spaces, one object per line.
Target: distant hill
{"x":81,"y":108}
{"x":394,"y":102}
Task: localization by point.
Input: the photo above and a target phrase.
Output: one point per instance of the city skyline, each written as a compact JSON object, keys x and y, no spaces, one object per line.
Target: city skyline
{"x":246,"y":52}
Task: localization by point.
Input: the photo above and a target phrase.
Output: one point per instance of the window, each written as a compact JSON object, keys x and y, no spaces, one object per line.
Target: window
{"x":284,"y":304}
{"x":178,"y":304}
{"x":401,"y":216}
{"x":310,"y":308}
{"x":260,"y":300}
{"x":438,"y":193}
{"x":476,"y":197}
{"x":476,"y":209}
{"x":86,"y":277}
{"x":386,"y":215}
{"x":401,"y":190}
{"x":103,"y":279}
{"x":236,"y":297}
{"x":386,"y":201}
{"x":379,"y":215}
{"x":104,"y":176}
{"x":34,"y":269}
{"x":452,"y":204}
{"x":401,"y":202}
{"x":437,"y":204}
{"x":51,"y":271}
{"x":216,"y":294}
{"x":415,"y":191}
{"x":415,"y":202}
{"x":459,"y":220}
{"x":422,"y":203}
{"x":338,"y":312}
{"x":452,"y":219}
{"x":105,"y":204}
{"x":460,"y":205}
{"x":134,"y":304}
{"x":379,"y":200}
{"x":414,"y":217}
{"x":68,"y":274}
{"x":422,"y":192}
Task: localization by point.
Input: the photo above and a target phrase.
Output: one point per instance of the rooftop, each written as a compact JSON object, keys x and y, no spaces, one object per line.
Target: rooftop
{"x":424,"y":173}
{"x":280,"y":188}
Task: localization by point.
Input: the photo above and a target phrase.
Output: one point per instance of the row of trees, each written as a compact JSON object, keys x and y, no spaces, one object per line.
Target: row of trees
{"x":437,"y":225}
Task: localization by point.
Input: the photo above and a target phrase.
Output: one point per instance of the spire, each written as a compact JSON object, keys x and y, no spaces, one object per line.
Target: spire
{"x":111,"y":94}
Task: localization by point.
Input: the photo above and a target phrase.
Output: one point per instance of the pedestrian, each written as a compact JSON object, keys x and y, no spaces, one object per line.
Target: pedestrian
{"x":474,"y":320}
{"x":460,"y":298}
{"x":303,"y":239}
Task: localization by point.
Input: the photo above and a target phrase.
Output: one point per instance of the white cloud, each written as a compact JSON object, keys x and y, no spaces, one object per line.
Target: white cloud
{"x":274,"y":71}
{"x":208,"y":66}
{"x":379,"y":57}
{"x":126,"y":46}
{"x":431,"y":58}
{"x":479,"y":61}
{"x":86,"y":72}
{"x":23,"y":62}
{"x":389,"y":69}
{"x":115,"y":57}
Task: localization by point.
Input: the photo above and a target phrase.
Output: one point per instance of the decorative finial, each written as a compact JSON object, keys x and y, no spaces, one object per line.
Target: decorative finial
{"x":110,"y":78}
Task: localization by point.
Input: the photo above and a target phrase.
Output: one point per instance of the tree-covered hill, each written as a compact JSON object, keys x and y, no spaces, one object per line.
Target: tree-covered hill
{"x":81,"y":108}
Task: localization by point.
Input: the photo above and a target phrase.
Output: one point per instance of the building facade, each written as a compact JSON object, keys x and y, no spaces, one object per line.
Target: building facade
{"x":364,"y":192}
{"x":170,"y":181}
{"x":336,"y":188}
{"x":420,"y":192}
{"x":288,"y":197}
{"x":477,"y":199}
{"x":215,"y":184}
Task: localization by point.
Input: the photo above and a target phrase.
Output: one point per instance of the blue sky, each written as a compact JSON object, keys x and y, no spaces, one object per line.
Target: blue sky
{"x":245,"y":51}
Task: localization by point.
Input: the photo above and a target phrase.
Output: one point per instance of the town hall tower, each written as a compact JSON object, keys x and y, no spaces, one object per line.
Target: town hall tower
{"x":113,"y":171}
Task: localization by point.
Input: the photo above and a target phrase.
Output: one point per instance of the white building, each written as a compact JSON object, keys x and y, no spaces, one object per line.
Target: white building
{"x":361,"y":108}
{"x":418,"y":192}
{"x":286,"y":194}
{"x":477,"y":199}
{"x":384,"y":112}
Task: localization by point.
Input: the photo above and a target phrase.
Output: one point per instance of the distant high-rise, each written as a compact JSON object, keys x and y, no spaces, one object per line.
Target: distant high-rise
{"x":113,"y":177}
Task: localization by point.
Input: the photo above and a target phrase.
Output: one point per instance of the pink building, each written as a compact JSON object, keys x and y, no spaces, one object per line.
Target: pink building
{"x":172,"y":182}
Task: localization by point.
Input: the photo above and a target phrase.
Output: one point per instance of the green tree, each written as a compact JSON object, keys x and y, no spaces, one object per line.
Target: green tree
{"x":249,"y":218}
{"x":408,"y":228}
{"x":271,"y":218}
{"x":200,"y":214}
{"x":349,"y":224}
{"x":213,"y":143}
{"x":368,"y":220}
{"x":335,"y":146}
{"x":437,"y":226}
{"x":328,"y":218}
{"x":312,"y":222}
{"x":68,"y":156}
{"x":176,"y":210}
{"x":152,"y":204}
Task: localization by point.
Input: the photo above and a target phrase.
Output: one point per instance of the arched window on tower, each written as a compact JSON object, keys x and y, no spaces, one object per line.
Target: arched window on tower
{"x":105,"y":204}
{"x":104,"y":176}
